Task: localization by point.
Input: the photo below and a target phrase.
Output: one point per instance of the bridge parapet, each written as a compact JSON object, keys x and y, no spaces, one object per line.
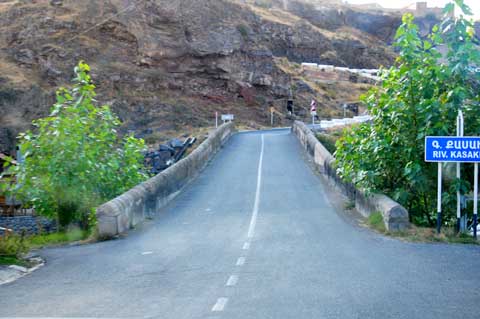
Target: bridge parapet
{"x":395,"y":216}
{"x":131,"y":208}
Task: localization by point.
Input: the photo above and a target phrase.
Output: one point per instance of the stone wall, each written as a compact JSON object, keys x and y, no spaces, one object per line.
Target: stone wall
{"x":395,"y":216}
{"x":131,"y":208}
{"x":31,"y":224}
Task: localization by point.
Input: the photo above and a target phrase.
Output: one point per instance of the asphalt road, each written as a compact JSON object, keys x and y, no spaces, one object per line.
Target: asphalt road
{"x":255,"y":236}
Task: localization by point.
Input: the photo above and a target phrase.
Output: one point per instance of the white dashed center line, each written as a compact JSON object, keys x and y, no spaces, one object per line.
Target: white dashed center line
{"x":240,"y":261}
{"x":147,"y":253}
{"x":253,"y":220}
{"x":232,"y":281}
{"x":220,"y":305}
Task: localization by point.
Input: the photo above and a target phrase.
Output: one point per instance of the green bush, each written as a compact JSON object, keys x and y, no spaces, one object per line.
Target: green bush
{"x":13,"y":246}
{"x":42,"y":240}
{"x":74,"y":159}
{"x":418,"y":97}
{"x":243,"y":29}
{"x":328,"y":141}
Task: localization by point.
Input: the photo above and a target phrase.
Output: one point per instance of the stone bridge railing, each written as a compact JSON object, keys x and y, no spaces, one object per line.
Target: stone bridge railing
{"x":395,"y":216}
{"x":131,"y":208}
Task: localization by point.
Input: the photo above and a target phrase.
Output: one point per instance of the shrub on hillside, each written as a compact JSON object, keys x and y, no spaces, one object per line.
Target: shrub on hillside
{"x":74,"y":159}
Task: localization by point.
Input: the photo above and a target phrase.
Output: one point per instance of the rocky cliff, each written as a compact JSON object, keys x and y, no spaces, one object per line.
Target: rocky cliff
{"x":375,"y":21}
{"x":170,"y":64}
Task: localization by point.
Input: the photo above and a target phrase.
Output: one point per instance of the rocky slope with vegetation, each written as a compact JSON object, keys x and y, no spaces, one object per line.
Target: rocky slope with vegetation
{"x":167,"y":66}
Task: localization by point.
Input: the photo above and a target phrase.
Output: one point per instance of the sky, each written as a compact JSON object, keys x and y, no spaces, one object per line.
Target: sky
{"x":474,"y":4}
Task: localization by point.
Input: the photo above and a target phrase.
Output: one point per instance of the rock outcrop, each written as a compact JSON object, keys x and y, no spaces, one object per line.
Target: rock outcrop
{"x":162,"y":64}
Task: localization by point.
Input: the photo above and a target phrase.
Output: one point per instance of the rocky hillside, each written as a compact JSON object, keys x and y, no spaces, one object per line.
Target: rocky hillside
{"x":168,"y":65}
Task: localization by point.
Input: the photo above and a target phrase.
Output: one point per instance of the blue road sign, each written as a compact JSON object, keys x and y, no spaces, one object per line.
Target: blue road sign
{"x":452,"y":149}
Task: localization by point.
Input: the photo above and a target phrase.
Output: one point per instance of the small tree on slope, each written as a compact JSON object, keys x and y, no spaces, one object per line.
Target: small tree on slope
{"x":74,"y":159}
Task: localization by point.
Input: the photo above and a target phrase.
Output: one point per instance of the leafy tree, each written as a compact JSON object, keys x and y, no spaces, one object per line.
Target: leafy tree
{"x":74,"y":159}
{"x":419,"y":96}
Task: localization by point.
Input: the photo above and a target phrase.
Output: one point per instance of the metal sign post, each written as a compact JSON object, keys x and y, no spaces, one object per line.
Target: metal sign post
{"x":475,"y":199}
{"x":439,"y":198}
{"x":458,"y":150}
{"x":216,"y":119}
{"x":459,"y":195}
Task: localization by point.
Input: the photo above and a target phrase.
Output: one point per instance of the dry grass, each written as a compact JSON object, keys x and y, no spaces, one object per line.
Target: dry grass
{"x":291,"y":68}
{"x":273,"y":14}
{"x":420,"y":234}
{"x":16,"y":75}
{"x":343,"y":91}
{"x":284,"y":17}
{"x":5,"y":6}
{"x":345,"y":32}
{"x":89,"y":41}
{"x":429,"y":235}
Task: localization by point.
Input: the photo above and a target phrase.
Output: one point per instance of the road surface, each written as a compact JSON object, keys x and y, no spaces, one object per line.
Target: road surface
{"x":255,"y":236}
